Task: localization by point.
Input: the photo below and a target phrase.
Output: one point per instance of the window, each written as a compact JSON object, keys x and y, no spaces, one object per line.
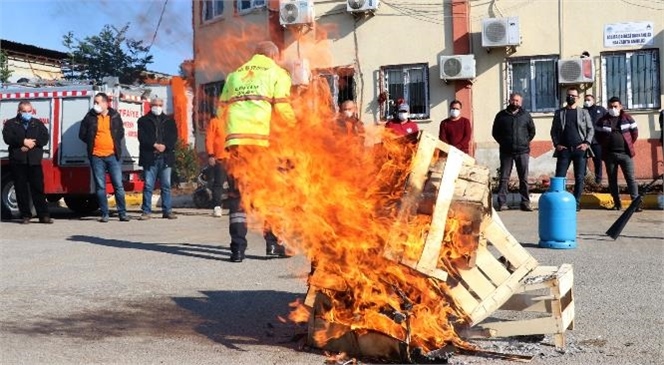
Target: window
{"x":536,"y":80}
{"x":245,"y":6}
{"x":341,"y":81}
{"x":212,"y":9}
{"x":633,"y":77}
{"x":410,"y":82}
{"x":207,"y":106}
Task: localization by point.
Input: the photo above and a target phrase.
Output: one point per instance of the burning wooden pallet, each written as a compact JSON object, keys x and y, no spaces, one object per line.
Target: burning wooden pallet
{"x":487,"y":270}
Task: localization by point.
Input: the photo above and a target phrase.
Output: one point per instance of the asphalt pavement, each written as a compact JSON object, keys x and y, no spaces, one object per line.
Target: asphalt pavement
{"x":164,"y":292}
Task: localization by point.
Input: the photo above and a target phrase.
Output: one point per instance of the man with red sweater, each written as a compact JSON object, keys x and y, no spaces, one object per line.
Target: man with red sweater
{"x":455,"y":130}
{"x":402,"y":126}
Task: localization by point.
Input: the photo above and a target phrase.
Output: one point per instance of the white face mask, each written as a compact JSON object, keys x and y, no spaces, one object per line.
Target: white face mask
{"x":156,"y":110}
{"x":614,"y":112}
{"x":403,"y":116}
{"x":588,"y":103}
{"x":454,"y":113}
{"x":97,"y":108}
{"x":348,"y":113}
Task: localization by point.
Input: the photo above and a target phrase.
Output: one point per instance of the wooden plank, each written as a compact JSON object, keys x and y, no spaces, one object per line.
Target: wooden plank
{"x":434,"y":241}
{"x":464,"y":299}
{"x":477,"y":282}
{"x":535,"y":326}
{"x":567,"y":317}
{"x":490,"y":266}
{"x":565,"y":278}
{"x":310,"y":298}
{"x":421,"y":162}
{"x":502,"y":292}
{"x":466,"y":159}
{"x":528,"y":303}
{"x":500,"y":238}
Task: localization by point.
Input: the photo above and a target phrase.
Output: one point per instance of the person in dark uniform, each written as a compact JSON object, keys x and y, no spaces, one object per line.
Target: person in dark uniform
{"x":26,"y":137}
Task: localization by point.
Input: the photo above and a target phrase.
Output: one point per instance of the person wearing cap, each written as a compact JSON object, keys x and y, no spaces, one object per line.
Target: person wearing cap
{"x":402,"y":126}
{"x":157,"y":136}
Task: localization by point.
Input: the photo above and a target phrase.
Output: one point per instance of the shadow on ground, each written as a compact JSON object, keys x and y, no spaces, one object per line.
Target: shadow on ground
{"x":183,"y":249}
{"x":233,"y":319}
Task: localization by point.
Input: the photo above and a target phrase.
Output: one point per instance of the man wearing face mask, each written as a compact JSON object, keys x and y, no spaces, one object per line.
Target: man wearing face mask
{"x":572,"y":131}
{"x":102,"y":130}
{"x":514,"y":129}
{"x":348,"y":123}
{"x":157,"y":136}
{"x":596,"y":112}
{"x":26,"y":137}
{"x":403,"y":125}
{"x":617,"y":133}
{"x":455,"y":130}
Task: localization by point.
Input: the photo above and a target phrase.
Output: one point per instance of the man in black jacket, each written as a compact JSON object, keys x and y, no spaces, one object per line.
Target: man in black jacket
{"x":102,"y":130}
{"x":513,"y":129}
{"x":572,"y":131}
{"x":157,"y":135}
{"x":26,"y":137}
{"x":596,"y":112}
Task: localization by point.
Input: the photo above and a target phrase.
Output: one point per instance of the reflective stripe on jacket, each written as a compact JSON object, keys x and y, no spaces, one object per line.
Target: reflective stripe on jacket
{"x":250,"y":95}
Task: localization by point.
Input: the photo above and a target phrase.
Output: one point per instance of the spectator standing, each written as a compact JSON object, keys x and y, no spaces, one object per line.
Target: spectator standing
{"x":402,"y":126}
{"x":157,"y":136}
{"x":514,"y":129}
{"x":26,"y":137}
{"x":617,"y":132}
{"x":572,"y":131}
{"x":595,"y":111}
{"x":102,"y":130}
{"x":456,"y":130}
{"x":214,"y":145}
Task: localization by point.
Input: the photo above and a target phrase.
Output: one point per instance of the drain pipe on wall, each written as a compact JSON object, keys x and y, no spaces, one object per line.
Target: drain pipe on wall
{"x":461,"y":45}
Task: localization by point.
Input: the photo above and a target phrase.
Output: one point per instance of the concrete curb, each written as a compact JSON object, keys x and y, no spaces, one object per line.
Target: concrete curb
{"x":136,"y":199}
{"x":588,"y":201}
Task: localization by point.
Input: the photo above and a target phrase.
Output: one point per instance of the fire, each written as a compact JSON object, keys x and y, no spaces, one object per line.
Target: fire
{"x":337,"y":201}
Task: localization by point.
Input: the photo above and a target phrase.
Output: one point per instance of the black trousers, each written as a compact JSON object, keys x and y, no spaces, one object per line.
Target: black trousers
{"x":29,"y":181}
{"x":218,"y":176}
{"x":506,"y":161}
{"x":238,"y":221}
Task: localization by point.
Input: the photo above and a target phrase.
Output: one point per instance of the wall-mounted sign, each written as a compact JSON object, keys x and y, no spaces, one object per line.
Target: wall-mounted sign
{"x":628,"y":34}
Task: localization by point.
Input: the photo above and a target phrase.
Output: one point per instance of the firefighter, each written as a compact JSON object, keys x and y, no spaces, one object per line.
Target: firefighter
{"x":253,"y":95}
{"x":26,"y":137}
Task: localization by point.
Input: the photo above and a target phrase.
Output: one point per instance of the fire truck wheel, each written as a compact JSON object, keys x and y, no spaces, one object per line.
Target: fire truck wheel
{"x":82,"y":204}
{"x":9,"y":204}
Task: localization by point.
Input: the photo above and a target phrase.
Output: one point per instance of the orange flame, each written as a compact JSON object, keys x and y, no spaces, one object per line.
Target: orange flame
{"x":329,"y":197}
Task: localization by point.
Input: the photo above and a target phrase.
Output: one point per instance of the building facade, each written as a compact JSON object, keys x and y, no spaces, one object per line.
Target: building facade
{"x":393,"y":52}
{"x":32,"y":63}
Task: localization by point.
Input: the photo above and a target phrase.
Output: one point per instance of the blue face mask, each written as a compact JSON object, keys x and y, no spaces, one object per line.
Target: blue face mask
{"x":26,"y":116}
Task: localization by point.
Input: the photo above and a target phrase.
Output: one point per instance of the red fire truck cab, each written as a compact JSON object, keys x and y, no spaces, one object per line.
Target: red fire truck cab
{"x":67,"y":172}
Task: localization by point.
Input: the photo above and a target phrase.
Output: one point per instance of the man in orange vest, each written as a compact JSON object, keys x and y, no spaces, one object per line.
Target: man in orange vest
{"x":217,"y":154}
{"x":254,"y":96}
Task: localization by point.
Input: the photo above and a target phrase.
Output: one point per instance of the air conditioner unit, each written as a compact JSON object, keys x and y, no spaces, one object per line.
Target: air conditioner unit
{"x":576,"y":71}
{"x":501,"y":32}
{"x":356,"y":6}
{"x":300,"y":72}
{"x":295,"y":12}
{"x":458,"y":67}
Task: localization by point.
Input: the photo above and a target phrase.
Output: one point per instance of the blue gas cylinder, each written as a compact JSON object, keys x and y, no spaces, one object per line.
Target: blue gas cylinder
{"x":557,"y":216}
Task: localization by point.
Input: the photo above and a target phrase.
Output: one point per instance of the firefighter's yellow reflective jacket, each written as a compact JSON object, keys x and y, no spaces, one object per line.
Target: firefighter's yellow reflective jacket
{"x":250,"y":96}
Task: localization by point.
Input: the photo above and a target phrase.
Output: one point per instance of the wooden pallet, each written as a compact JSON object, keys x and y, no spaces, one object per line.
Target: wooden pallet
{"x":495,"y":277}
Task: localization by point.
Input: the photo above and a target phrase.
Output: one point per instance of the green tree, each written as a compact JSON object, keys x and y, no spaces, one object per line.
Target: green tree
{"x":5,"y":72}
{"x":110,"y":53}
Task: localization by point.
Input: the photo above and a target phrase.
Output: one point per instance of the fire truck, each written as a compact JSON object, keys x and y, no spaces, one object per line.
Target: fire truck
{"x":67,"y":172}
